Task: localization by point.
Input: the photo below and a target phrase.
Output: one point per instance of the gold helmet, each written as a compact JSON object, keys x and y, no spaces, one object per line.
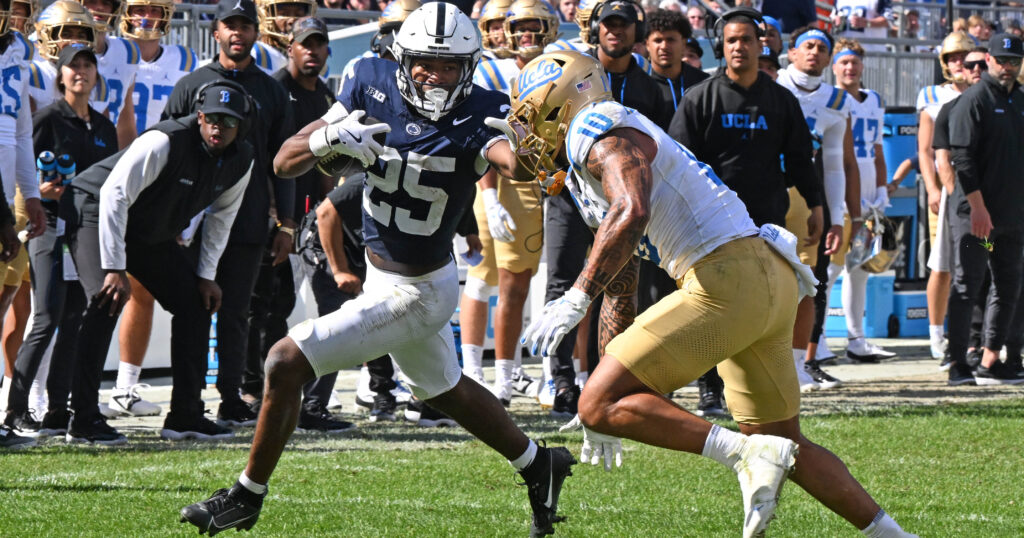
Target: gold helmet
{"x":583,"y":12}
{"x":104,"y":22}
{"x":52,"y":22}
{"x":954,"y":42}
{"x":30,"y":19}
{"x":146,"y":28}
{"x":269,"y":16}
{"x":394,"y":14}
{"x":493,"y":10}
{"x":546,"y":96}
{"x":527,"y":10}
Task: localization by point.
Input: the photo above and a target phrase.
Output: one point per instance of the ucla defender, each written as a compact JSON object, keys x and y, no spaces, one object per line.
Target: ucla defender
{"x":510,"y":217}
{"x":61,"y":23}
{"x":737,"y":296}
{"x":418,"y":185}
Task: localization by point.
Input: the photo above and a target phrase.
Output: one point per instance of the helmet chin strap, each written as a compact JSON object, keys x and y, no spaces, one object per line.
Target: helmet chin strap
{"x":437,"y":96}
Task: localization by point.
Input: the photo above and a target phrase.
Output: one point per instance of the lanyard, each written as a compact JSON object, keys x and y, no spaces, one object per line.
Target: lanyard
{"x":672,"y":90}
{"x":622,"y":91}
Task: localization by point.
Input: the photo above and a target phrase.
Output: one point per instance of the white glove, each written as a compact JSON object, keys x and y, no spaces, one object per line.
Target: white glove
{"x":596,"y":446}
{"x":499,"y":222}
{"x":349,"y":137}
{"x":557,"y":318}
{"x":881,"y":198}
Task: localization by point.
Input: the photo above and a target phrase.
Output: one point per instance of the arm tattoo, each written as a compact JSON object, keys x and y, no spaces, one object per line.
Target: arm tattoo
{"x":619,"y":306}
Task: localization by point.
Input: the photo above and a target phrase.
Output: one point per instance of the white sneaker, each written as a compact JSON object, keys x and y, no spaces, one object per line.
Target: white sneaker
{"x":37,"y":402}
{"x":939,"y":348}
{"x":866,"y":351}
{"x":401,"y":393}
{"x":765,"y":462}
{"x":364,"y":396}
{"x":823,"y":352}
{"x":547,"y":394}
{"x":503,"y":392}
{"x":807,"y":383}
{"x":128,"y":402}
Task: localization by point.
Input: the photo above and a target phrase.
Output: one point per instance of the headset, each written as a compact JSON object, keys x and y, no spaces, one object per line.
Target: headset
{"x":641,"y":23}
{"x":243,"y":126}
{"x":718,"y":29}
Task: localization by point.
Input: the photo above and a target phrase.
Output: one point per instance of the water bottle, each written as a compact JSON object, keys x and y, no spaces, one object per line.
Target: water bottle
{"x":212,"y":360}
{"x":66,"y":168}
{"x":46,"y":163}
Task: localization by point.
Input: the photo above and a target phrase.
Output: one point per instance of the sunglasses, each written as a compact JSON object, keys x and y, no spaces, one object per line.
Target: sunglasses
{"x":1008,"y":60}
{"x":977,"y":63}
{"x":223,"y":120}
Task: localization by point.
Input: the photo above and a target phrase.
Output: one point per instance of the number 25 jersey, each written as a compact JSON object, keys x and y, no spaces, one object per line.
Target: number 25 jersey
{"x":419,"y":188}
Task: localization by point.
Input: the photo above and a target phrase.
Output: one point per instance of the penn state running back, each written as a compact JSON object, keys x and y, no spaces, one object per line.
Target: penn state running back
{"x":419,"y":183}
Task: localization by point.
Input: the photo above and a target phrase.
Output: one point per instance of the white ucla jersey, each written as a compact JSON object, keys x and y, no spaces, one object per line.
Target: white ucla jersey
{"x":692,"y":211}
{"x":117,"y":67}
{"x":14,"y":84}
{"x":568,"y":44}
{"x":42,"y":82}
{"x":823,"y":108}
{"x":931,"y":98}
{"x":496,"y":75}
{"x":866,"y":120}
{"x":155,"y":80}
{"x":268,"y":58}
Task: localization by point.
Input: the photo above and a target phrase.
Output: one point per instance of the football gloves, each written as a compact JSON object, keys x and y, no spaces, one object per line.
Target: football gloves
{"x":596,"y":446}
{"x":557,"y":318}
{"x":499,"y":222}
{"x":349,"y":137}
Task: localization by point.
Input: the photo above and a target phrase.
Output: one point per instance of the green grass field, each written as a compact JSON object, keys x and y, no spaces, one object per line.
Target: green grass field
{"x":955,"y":470}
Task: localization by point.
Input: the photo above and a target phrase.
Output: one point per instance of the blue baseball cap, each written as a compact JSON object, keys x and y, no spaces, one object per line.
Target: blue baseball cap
{"x":773,"y":22}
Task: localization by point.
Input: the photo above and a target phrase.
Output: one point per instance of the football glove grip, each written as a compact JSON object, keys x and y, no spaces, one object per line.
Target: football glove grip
{"x":558,"y":317}
{"x":597,"y":447}
{"x":349,"y":137}
{"x":499,"y":222}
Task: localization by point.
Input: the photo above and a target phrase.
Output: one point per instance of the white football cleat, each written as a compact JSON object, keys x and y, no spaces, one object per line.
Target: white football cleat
{"x":127,"y":402}
{"x":807,"y":383}
{"x":546,"y":397}
{"x":765,"y":462}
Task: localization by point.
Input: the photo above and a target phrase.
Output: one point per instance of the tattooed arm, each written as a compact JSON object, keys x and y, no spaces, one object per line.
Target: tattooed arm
{"x":619,"y":306}
{"x":621,"y":161}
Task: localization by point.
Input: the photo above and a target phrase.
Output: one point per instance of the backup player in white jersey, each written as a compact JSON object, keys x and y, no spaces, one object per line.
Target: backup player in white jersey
{"x":492,"y":29}
{"x":61,"y":23}
{"x":952,"y":55}
{"x":23,"y":15}
{"x":867,"y":116}
{"x":276,"y":19}
{"x":827,"y":112}
{"x":118,"y":63}
{"x":737,"y":296}
{"x":510,"y":217}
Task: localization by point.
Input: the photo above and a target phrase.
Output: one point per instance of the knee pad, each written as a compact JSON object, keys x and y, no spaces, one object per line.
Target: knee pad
{"x":478,"y":289}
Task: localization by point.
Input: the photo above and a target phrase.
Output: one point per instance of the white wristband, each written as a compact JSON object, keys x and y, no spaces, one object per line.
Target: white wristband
{"x":336,"y":113}
{"x":318,"y":142}
{"x":578,"y":298}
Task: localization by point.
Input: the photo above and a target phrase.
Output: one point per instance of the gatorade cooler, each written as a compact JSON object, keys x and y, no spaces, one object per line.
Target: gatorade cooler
{"x":899,"y":141}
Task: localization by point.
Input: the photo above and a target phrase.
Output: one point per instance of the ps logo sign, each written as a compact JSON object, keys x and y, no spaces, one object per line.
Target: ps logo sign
{"x":225,"y":96}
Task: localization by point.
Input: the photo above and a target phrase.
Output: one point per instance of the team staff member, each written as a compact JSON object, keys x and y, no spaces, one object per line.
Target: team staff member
{"x":235,"y":31}
{"x":667,"y":34}
{"x":985,"y":137}
{"x":739,"y":122}
{"x":131,"y":208}
{"x":68,"y":126}
{"x":310,"y":97}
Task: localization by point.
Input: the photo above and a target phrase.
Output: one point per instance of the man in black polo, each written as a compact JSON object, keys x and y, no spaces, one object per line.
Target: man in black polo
{"x":235,"y":30}
{"x":130,"y":209}
{"x":740,"y":122}
{"x":986,"y":138}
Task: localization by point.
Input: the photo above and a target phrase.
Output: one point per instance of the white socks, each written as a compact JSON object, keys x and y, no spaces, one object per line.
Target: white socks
{"x":473,"y":361}
{"x":127,"y":375}
{"x":884,"y":526}
{"x":723,"y":445}
{"x":855,"y":287}
{"x":258,"y":489}
{"x":503,"y":371}
{"x":798,"y":356}
{"x":526,"y":459}
{"x":936,"y":333}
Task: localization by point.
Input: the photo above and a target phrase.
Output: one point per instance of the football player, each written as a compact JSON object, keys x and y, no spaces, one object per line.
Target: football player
{"x":492,"y":29}
{"x":510,"y":218}
{"x":827,"y":112}
{"x":738,"y":290}
{"x":61,"y":23}
{"x":119,"y":61}
{"x":143,"y":23}
{"x":276,"y":19}
{"x":417,"y":187}
{"x":23,"y":15}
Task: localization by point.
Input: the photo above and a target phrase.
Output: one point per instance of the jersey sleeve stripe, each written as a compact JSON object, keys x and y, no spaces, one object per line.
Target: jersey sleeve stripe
{"x":36,"y":79}
{"x":838,"y":96}
{"x":491,"y":73}
{"x":101,"y":88}
{"x":132,"y":50}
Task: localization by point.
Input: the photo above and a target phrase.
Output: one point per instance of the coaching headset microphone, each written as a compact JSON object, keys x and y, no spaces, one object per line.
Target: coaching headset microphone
{"x":718,"y":29}
{"x":243,"y":126}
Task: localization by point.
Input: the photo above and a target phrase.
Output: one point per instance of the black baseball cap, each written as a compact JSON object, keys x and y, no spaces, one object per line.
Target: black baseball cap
{"x":694,"y":44}
{"x":768,"y":54}
{"x":1006,"y":45}
{"x":68,"y":53}
{"x":618,"y":8}
{"x":307,"y":26}
{"x":237,"y":8}
{"x":218,"y":99}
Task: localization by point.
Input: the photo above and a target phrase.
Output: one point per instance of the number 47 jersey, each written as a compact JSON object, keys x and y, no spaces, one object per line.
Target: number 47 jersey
{"x":416,"y":192}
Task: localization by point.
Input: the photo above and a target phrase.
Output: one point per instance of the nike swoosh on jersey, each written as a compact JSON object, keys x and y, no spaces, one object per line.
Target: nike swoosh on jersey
{"x":460,"y":121}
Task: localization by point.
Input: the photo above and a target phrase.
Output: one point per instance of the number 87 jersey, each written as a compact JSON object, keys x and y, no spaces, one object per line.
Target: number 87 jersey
{"x":155,"y":80}
{"x":416,"y":192}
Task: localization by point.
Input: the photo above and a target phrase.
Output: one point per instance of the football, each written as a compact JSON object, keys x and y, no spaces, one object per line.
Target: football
{"x":337,"y":164}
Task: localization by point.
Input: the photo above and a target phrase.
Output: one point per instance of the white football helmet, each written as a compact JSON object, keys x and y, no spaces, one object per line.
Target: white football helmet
{"x":436,"y":31}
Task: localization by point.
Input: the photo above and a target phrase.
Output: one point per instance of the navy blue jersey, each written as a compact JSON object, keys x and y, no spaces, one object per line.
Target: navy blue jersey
{"x":416,"y":192}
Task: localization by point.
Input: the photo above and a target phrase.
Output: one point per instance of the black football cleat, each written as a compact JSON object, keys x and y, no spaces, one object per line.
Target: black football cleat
{"x":235,"y":508}
{"x":543,"y":480}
